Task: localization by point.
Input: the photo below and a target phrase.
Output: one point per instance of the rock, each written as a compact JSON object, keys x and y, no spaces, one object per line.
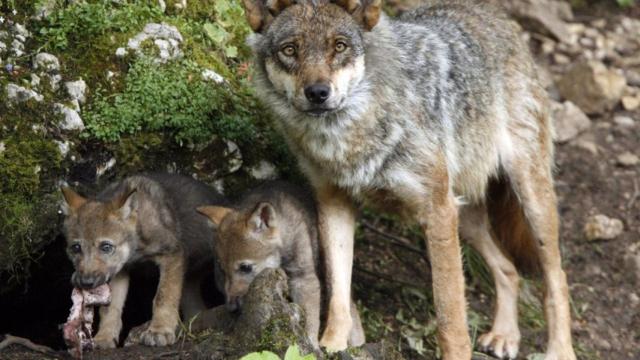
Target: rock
{"x":561,"y":59}
{"x":3,"y":147}
{"x":63,"y":147}
{"x":547,"y":15}
{"x":163,"y":5}
{"x":19,"y":29}
{"x":264,"y":171}
{"x":166,"y":37}
{"x":593,"y":87}
{"x":601,"y":227}
{"x":210,"y":75}
{"x":72,"y":120}
{"x":76,"y":90}
{"x":632,"y":261}
{"x":3,"y":47}
{"x":46,"y":62}
{"x":17,"y":93}
{"x":624,"y":121}
{"x":35,"y":80}
{"x":627,"y":159}
{"x":54,"y":81}
{"x":631,"y":103}
{"x":633,"y":77}
{"x":267,"y":321}
{"x":569,"y":121}
{"x":121,"y":52}
{"x":17,"y":48}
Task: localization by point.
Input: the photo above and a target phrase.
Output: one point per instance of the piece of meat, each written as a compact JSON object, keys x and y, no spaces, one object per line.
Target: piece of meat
{"x":77,"y":330}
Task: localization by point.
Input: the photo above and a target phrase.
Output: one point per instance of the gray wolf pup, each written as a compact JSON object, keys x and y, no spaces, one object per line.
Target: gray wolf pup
{"x":439,"y":105}
{"x":144,"y":217}
{"x":274,"y":225}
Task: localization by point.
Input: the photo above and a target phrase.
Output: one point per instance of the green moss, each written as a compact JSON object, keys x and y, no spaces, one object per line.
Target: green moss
{"x":277,"y":336}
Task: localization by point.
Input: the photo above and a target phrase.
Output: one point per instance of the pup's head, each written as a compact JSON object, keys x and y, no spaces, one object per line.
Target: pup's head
{"x":100,"y":235}
{"x":248,"y":242}
{"x":312,"y":51}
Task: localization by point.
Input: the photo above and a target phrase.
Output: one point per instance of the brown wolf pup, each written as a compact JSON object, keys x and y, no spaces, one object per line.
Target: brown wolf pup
{"x":145,"y":217}
{"x":274,"y":225}
{"x":437,"y":105}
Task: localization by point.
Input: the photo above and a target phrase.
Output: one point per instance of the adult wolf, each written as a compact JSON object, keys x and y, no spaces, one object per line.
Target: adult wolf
{"x":142,"y":217}
{"x":437,"y":106}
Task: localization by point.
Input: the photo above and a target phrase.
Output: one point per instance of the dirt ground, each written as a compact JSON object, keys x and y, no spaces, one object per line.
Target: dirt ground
{"x":391,"y":276}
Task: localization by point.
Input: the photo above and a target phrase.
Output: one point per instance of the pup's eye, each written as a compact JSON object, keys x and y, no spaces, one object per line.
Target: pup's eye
{"x":341,"y":46}
{"x":75,"y":249}
{"x":106,"y":247}
{"x":245,"y":268}
{"x":289,"y":50}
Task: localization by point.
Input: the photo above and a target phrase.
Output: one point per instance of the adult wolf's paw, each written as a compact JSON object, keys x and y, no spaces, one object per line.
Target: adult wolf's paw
{"x":158,"y":336}
{"x":333,"y":343}
{"x":502,"y":346}
{"x":105,"y":341}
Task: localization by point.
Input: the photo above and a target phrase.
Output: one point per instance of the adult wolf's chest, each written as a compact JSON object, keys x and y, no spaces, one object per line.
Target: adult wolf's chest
{"x":350,"y":156}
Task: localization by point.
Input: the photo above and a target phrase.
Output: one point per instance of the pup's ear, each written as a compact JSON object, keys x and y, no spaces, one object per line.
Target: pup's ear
{"x":365,"y":12}
{"x":214,"y":213}
{"x":72,"y":200}
{"x":260,"y":13}
{"x":123,"y":204}
{"x":263,"y":217}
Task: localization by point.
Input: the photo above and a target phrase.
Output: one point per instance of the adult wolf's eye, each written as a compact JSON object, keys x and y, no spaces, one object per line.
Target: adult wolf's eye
{"x":75,"y":248}
{"x":289,"y":50}
{"x":341,"y":46}
{"x":106,"y":247}
{"x":245,"y":268}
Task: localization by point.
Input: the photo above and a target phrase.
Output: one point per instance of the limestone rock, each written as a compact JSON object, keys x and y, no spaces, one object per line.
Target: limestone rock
{"x":593,"y":87}
{"x":631,"y":103}
{"x":72,"y":120}
{"x":601,"y":227}
{"x":166,"y":38}
{"x":632,"y":261}
{"x":569,"y":121}
{"x":46,"y":62}
{"x":76,"y":90}
{"x":627,"y":159}
{"x":624,"y":121}
{"x":542,"y":14}
{"x":17,"y":93}
{"x":210,"y":75}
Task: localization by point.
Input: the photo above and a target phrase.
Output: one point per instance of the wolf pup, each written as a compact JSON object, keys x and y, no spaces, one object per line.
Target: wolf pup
{"x":440,"y":104}
{"x":274,"y":225}
{"x":145,"y":217}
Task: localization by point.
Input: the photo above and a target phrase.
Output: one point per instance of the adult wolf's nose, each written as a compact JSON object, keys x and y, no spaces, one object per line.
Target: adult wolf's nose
{"x":317,"y":93}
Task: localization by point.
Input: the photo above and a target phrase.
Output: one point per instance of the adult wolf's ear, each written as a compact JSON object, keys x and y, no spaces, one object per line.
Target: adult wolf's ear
{"x":263,"y":217}
{"x":214,"y":213}
{"x":72,"y":200}
{"x":365,"y":12}
{"x":122,"y":205}
{"x":260,"y":13}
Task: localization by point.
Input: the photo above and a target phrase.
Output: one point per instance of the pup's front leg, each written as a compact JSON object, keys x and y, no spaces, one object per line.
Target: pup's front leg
{"x":162,"y":328}
{"x":111,"y":315}
{"x":337,"y":225}
{"x":305,"y":291}
{"x":440,"y":224}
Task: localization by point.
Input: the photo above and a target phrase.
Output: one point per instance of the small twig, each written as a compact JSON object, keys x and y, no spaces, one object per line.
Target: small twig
{"x":168,"y":353}
{"x":15,"y":340}
{"x":385,"y":277}
{"x":397,"y":240}
{"x":636,"y":194}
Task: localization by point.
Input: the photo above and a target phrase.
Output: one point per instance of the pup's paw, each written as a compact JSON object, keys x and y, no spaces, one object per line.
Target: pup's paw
{"x":158,"y":336}
{"x":105,"y":341}
{"x":502,"y":346}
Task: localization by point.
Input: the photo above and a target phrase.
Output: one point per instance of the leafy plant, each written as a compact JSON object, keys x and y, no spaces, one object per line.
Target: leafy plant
{"x":293,"y":353}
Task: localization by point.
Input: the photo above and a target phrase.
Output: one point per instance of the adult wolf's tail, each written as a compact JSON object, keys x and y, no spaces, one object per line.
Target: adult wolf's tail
{"x":510,"y":225}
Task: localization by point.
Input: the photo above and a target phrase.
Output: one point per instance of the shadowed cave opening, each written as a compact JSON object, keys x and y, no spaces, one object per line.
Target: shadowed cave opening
{"x":36,"y":309}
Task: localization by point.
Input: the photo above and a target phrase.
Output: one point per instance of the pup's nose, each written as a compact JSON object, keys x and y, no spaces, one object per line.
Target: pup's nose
{"x":317,"y":93}
{"x":85,"y":281}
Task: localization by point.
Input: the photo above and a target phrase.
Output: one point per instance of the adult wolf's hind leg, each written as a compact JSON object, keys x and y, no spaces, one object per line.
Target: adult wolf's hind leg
{"x":531,"y":180}
{"x":503,"y":340}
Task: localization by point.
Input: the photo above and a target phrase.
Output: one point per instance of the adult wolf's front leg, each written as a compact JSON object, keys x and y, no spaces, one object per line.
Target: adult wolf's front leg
{"x":337,"y":225}
{"x":440,"y":224}
{"x":161,"y":330}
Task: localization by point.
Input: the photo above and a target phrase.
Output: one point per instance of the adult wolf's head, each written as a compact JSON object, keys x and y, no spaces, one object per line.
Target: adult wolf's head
{"x":248,"y":242}
{"x":100,"y":236}
{"x":312,"y":51}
